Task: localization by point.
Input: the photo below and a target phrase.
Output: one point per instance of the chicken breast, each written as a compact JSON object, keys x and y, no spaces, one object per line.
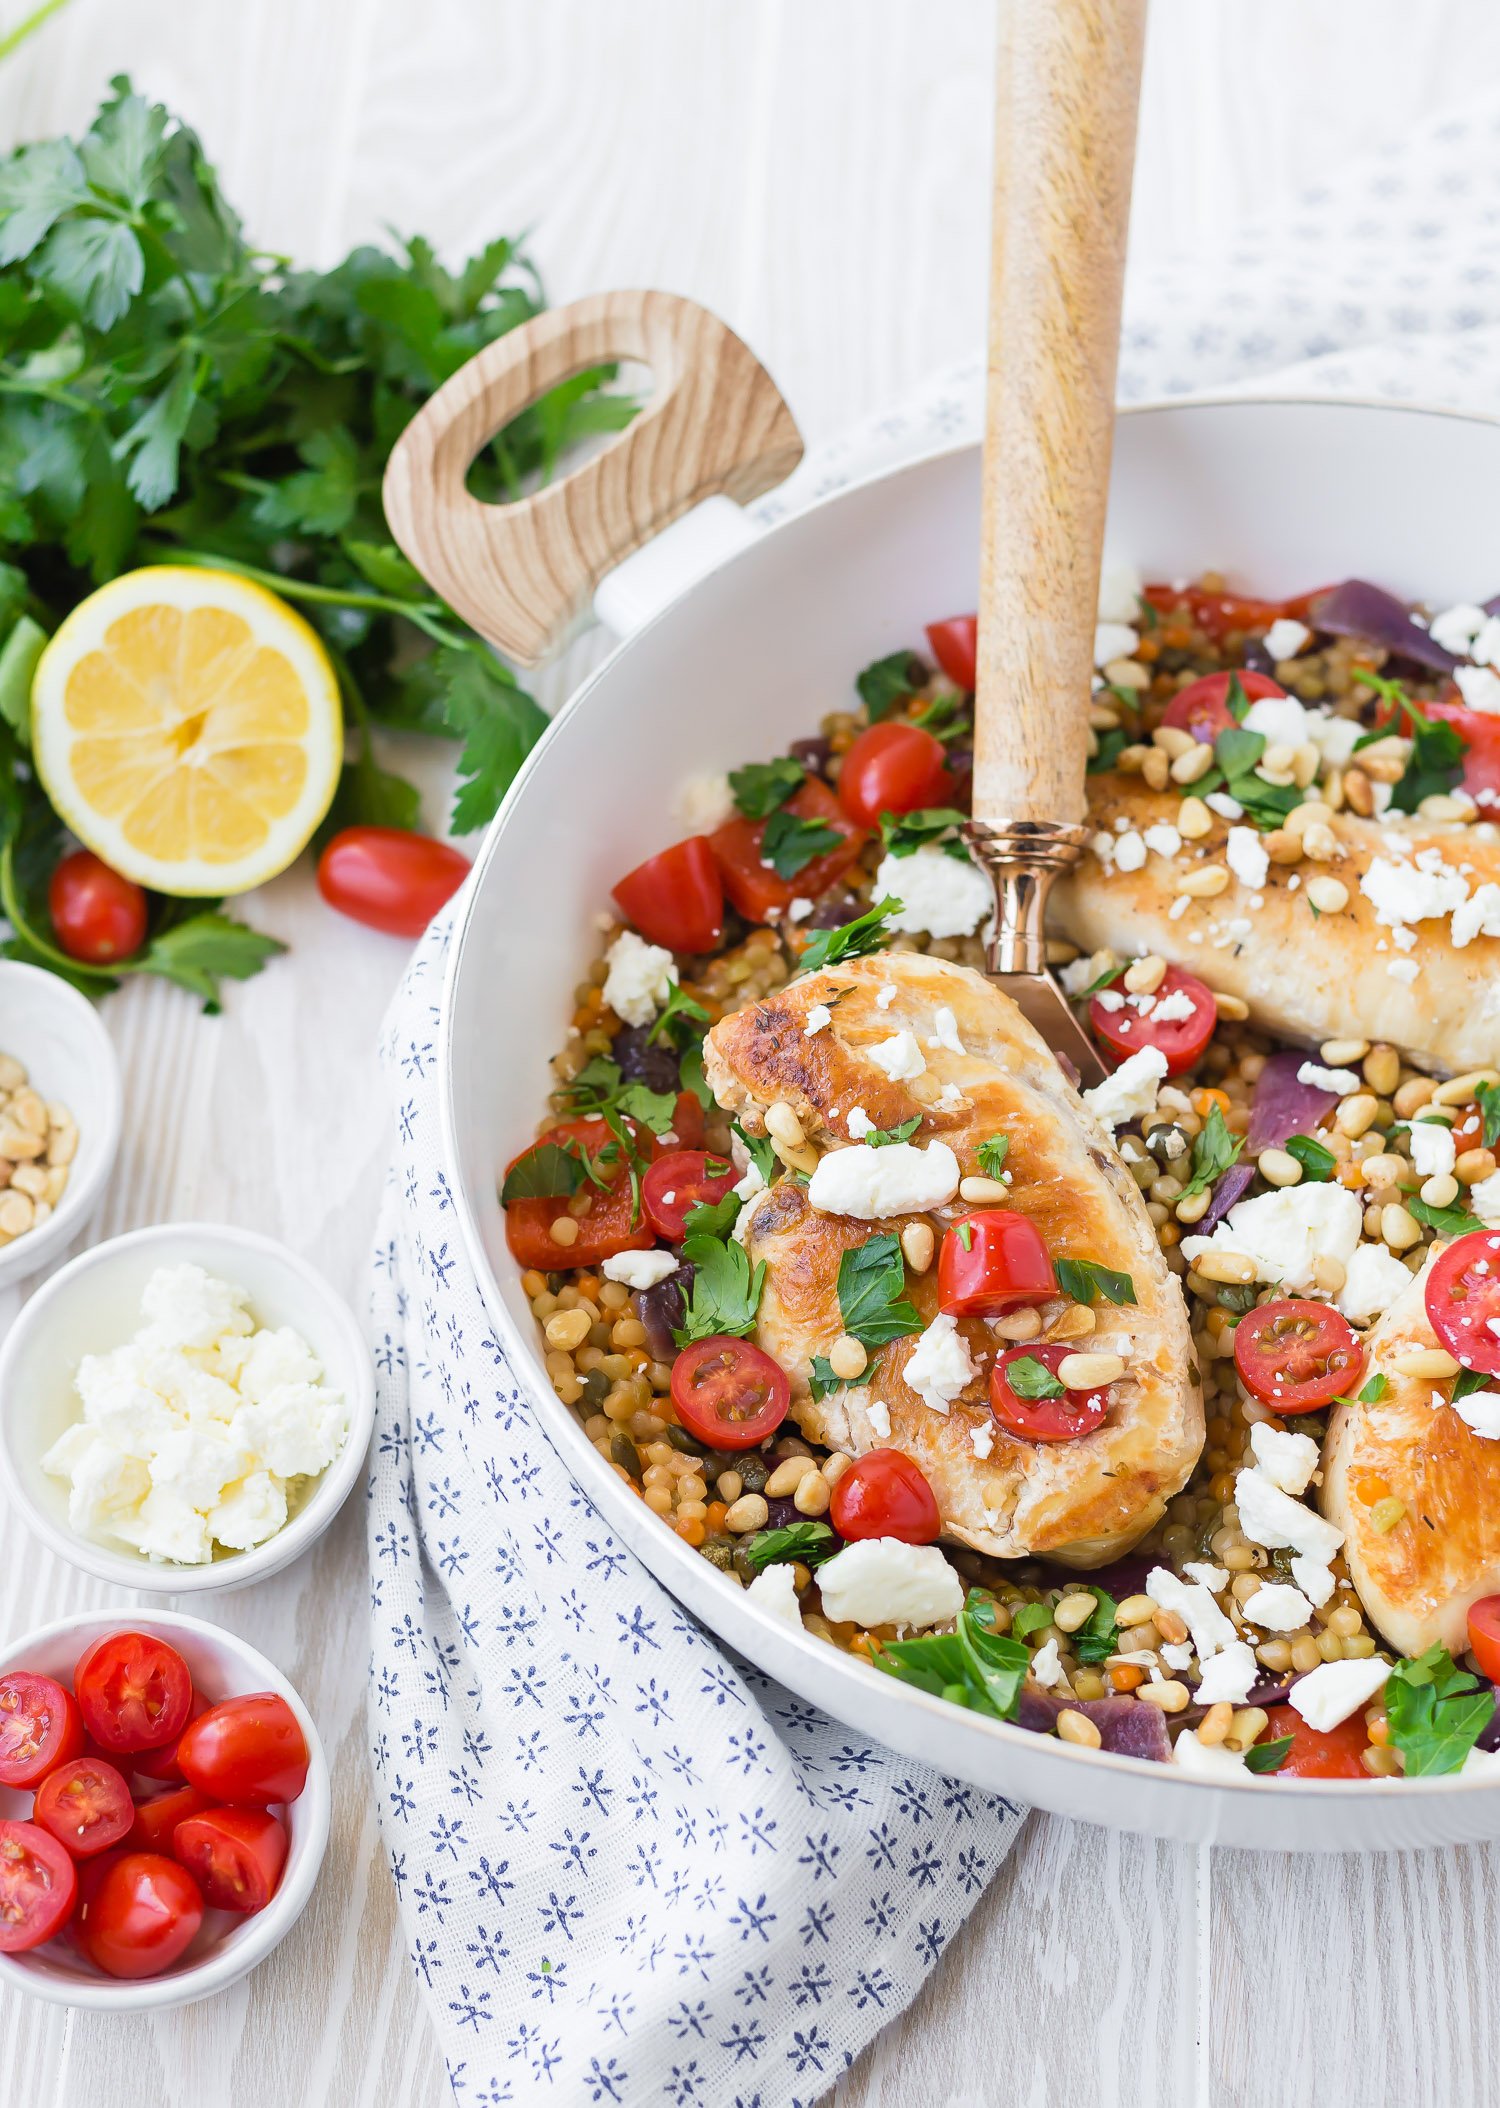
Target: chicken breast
{"x":1339,"y":975}
{"x":984,"y":1072}
{"x":1416,"y":1581}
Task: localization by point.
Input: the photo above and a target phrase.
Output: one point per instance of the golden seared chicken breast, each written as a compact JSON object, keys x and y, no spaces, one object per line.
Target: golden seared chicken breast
{"x":906,"y":1041}
{"x":1417,"y":1577}
{"x":1405,"y":944}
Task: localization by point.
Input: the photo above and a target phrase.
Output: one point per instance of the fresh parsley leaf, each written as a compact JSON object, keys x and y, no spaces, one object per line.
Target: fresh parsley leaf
{"x":882,"y":1137}
{"x":761,"y":1152}
{"x":1100,"y":1637}
{"x":203,"y":951}
{"x":690,"y":1068}
{"x":599,"y":1089}
{"x":725,"y":1294}
{"x":1467,"y":1381}
{"x":1438,"y":748}
{"x":851,"y":940}
{"x":1237,"y":753}
{"x":1437,"y":1712}
{"x":872,"y":1292}
{"x":1318,"y":1163}
{"x":760,"y":786}
{"x":1236,"y":702}
{"x":1086,"y":1281}
{"x":1374,"y":1390}
{"x":811,"y":1542}
{"x":886,"y":683}
{"x":946,"y":717}
{"x":790,"y":844}
{"x":992,"y":1153}
{"x":966,"y":1235}
{"x":1110,"y":744}
{"x":823,"y":1380}
{"x":1486,"y":1095}
{"x":1030,"y":1378}
{"x":1448,"y":1222}
{"x":908,"y":832}
{"x":548,"y":1171}
{"x":1031,"y":1617}
{"x":1214,"y":1150}
{"x":713,"y":1218}
{"x":681,"y":1021}
{"x":973,"y":1666}
{"x":1268,"y":1756}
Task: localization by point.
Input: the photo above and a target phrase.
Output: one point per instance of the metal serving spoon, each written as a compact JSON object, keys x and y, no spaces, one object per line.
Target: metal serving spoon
{"x":1065,"y":120}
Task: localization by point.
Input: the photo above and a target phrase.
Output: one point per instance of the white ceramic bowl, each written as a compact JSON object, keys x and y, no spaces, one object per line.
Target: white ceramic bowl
{"x":94,"y":1304}
{"x":59,"y":1037}
{"x":1282,"y":496}
{"x":227,"y":1946}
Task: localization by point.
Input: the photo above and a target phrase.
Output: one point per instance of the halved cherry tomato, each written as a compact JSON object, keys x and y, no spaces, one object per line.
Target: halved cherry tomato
{"x":133,"y":1690}
{"x":605,"y":1229}
{"x":759,"y":892}
{"x":687,"y":1126}
{"x":1317,"y":1753}
{"x":1480,"y":729}
{"x":1294,"y":1356}
{"x":990,"y":1261}
{"x":679,"y":1182}
{"x":884,"y":1494}
{"x":161,"y":1764}
{"x":955,"y":645}
{"x":677,"y":898}
{"x":246,"y":1749}
{"x":86,"y":1805}
{"x":1060,"y":1419}
{"x":893,"y":767}
{"x":1484,"y":1635}
{"x":1134,"y":1025}
{"x":40,"y":1727}
{"x":1202,"y":709}
{"x":388,"y":878}
{"x":140,"y":1915}
{"x":37,"y":1886}
{"x":234,"y":1854}
{"x":1463,"y":1300}
{"x":728,"y":1393}
{"x":156,"y":1819}
{"x":97,"y":915}
{"x":1219,"y":613}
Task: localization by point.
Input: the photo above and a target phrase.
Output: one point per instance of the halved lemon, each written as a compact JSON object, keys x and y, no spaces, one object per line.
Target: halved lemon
{"x":186,"y":725}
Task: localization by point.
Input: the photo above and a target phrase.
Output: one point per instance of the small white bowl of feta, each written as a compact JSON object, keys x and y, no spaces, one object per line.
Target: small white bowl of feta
{"x":184,"y":1408}
{"x":57,"y":1040}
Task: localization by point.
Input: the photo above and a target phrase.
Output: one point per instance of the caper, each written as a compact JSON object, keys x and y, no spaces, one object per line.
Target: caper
{"x":753,"y":1474}
{"x":595,"y":1388}
{"x":622,"y":1451}
{"x":718,"y":1552}
{"x":680,"y":1439}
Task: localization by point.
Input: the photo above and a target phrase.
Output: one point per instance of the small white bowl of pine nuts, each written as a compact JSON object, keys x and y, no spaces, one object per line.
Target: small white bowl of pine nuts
{"x":59,"y":1117}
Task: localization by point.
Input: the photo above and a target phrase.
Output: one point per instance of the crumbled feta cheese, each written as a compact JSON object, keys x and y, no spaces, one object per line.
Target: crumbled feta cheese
{"x":1130,"y":1092}
{"x":880,"y":1418}
{"x":945,"y":1032}
{"x":640,"y":978}
{"x":1484,"y":1198}
{"x":704,"y":803}
{"x":1278,"y":1607}
{"x":187,"y":1307}
{"x":799,"y":908}
{"x":817,"y":1017}
{"x":1226,"y":807}
{"x":1130,"y":851}
{"x":1340,"y":1081}
{"x":885,"y":995}
{"x":947,"y":896}
{"x":1481,"y":1411}
{"x":1287,"y":1459}
{"x":1213,"y":1578}
{"x":1373,"y":1278}
{"x":899,"y":1056}
{"x":1230,"y":1675}
{"x":982,"y":1439}
{"x":1327,"y":1695}
{"x":1485,"y":650}
{"x":1208,"y":1628}
{"x":1272,"y":1518}
{"x":881,"y":1581}
{"x":1286,"y":637}
{"x":868,"y":1184}
{"x":1163,"y":838}
{"x":1113,"y":640}
{"x":1119,"y":593}
{"x":950,"y":1098}
{"x":1110,"y":999}
{"x":1076,"y":975}
{"x":250,"y":1512}
{"x":1046,"y":1666}
{"x":1404,"y":970}
{"x":1178,"y":1657}
{"x":1207,"y":1760}
{"x":1287,"y":1231}
{"x":751,"y":1182}
{"x":1334,"y":737}
{"x":1433,"y":1150}
{"x":1314,"y":1579}
{"x":859,"y":1123}
{"x":1246,"y":857}
{"x":645,"y":1269}
{"x":1279,"y":719}
{"x":1172,"y":1009}
{"x":939,"y":1366}
{"x":1456,"y":628}
{"x":1400,"y":893}
{"x":1478,"y":916}
{"x":1480,"y":688}
{"x":775,"y":1591}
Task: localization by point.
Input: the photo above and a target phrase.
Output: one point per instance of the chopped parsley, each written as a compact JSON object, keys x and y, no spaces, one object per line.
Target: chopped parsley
{"x":550,"y":1171}
{"x":1111,"y":743}
{"x":1448,"y":1222}
{"x":887,"y":682}
{"x":725,"y":1294}
{"x":946,"y":717}
{"x":1268,"y":1756}
{"x":992,"y":1153}
{"x":823,"y":1379}
{"x":761,"y":1151}
{"x":1436,"y":761}
{"x":1318,"y":1164}
{"x":1436,"y":1711}
{"x":1236,"y":702}
{"x":851,"y":940}
{"x":1086,"y":1281}
{"x":1031,"y":1617}
{"x":599,"y":1089}
{"x":974,"y":1666}
{"x":1237,"y":755}
{"x":966,"y":1235}
{"x":1467,"y":1381}
{"x":713,"y":1218}
{"x":790,"y":844}
{"x":681,"y":1021}
{"x":761,"y":786}
{"x":1374,"y":1391}
{"x":1487,"y":1097}
{"x":903,"y":835}
{"x":1100,"y":1637}
{"x":1030,"y":1378}
{"x":811,"y":1542}
{"x":1214,"y":1150}
{"x":872,"y":1292}
{"x":882,"y":1137}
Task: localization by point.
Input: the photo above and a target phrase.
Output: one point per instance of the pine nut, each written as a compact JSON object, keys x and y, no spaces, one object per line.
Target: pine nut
{"x":17,"y":1213}
{"x":917,"y":1245}
{"x":567,"y":1329}
{"x":1135,"y":1610}
{"x":1282,"y":846}
{"x":1356,"y":1114}
{"x":1089,"y":1372}
{"x":812,"y":1494}
{"x":1017,"y":1325}
{"x":748,"y":1513}
{"x":1398,"y":1229}
{"x":1194,"y":820}
{"x":1194,"y":1208}
{"x":847,"y":1358}
{"x":1246,"y":1726}
{"x":1441,"y":1190}
{"x":729,"y":1486}
{"x":1146,"y":975}
{"x":1172,"y":1628}
{"x":1278,"y":1167}
{"x":1170,"y":1695}
{"x":1075,"y":1610}
{"x":1320,"y":842}
{"x":1312,"y":812}
{"x":1360,"y":792}
{"x":12,"y":1075}
{"x":1215,"y":1724}
{"x":1232,"y":1008}
{"x":1382,"y":1070}
{"x":1384,"y":1170}
{"x":35,"y":1182}
{"x":1458,"y":1090}
{"x":1204,"y":883}
{"x":803,"y":1159}
{"x":1329,"y":1273}
{"x":1412,"y":1096}
{"x":1230,"y":1269}
{"x":1474,"y":1165}
{"x":1154,"y":768}
{"x":782,"y":1125}
{"x":19,"y":1144}
{"x":1192,"y":766}
{"x":1127,"y":673}
{"x":835,"y":1466}
{"x":1340,"y":1053}
{"x":1076,"y":1322}
{"x":1174,"y":741}
{"x":1431,"y":1364}
{"x":1076,"y":1727}
{"x":982,"y":1189}
{"x":787,"y":1476}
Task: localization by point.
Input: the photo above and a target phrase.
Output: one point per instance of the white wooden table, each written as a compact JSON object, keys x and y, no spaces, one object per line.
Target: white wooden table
{"x":816,"y":170}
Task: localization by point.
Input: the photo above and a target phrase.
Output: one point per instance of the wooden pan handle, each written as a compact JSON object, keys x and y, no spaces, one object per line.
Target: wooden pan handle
{"x":1065,"y":120}
{"x":521,"y":573}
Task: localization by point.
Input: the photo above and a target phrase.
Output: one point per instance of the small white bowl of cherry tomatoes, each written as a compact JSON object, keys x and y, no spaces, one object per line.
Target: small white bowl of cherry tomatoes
{"x":164,"y":1810}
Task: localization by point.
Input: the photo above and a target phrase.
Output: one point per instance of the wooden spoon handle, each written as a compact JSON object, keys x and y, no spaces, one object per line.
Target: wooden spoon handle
{"x":520,"y":573}
{"x":1065,"y":120}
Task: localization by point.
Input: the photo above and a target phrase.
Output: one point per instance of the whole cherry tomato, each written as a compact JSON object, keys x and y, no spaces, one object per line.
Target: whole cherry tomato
{"x":893,"y":767}
{"x":677,"y":898}
{"x":98,"y":915}
{"x":1202,"y":708}
{"x":1026,"y":1399}
{"x":133,"y":1690}
{"x":1178,"y":1018}
{"x":234,"y":1854}
{"x":1295,"y":1356}
{"x":37,"y":1886}
{"x":955,"y":645}
{"x":156,"y":1819}
{"x":246,"y":1749}
{"x":388,"y":878}
{"x":679,"y":1182}
{"x":729,"y":1393}
{"x":140,"y":1915}
{"x":40,"y":1727}
{"x":884,"y":1494}
{"x":990,"y":1261}
{"x":86,"y":1806}
{"x":605,"y":1229}
{"x":1463,"y":1300}
{"x":1317,"y":1753}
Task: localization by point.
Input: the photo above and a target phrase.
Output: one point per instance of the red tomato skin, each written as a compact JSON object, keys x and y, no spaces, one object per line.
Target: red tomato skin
{"x":893,"y":767}
{"x":712,"y":1377}
{"x":955,"y":646}
{"x":97,"y":915}
{"x":246,"y":1749}
{"x":685,"y":1175}
{"x":161,"y":1764}
{"x":388,"y":878}
{"x":140,"y":1916}
{"x":605,"y":1230}
{"x":1182,"y":1040}
{"x":1314,"y":1754}
{"x":157,"y":1818}
{"x":1044,"y":1419}
{"x":1484,"y":1635}
{"x":884,"y":1494}
{"x":1202,"y":708}
{"x":38,"y":1885}
{"x":757,"y":892}
{"x":133,"y":1690}
{"x":1463,"y":1292}
{"x":677,"y":898}
{"x":40,"y":1728}
{"x":1259,"y":1365}
{"x":234,"y":1854}
{"x":85,"y":1805}
{"x":1481,"y":730}
{"x":1006,"y":1263}
{"x":1219,"y":613}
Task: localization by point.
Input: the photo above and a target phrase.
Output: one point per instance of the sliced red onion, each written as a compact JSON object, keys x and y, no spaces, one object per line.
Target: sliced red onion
{"x":1282,"y":1106}
{"x":1234,"y":1185}
{"x":1126,"y":1727}
{"x":1492,"y":607}
{"x":1358,"y":609}
{"x":1121,"y":1578}
{"x":1258,"y":659}
{"x":1489,"y":1735}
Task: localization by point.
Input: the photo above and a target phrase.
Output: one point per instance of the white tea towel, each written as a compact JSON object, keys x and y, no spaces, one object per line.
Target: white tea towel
{"x":630,"y":1868}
